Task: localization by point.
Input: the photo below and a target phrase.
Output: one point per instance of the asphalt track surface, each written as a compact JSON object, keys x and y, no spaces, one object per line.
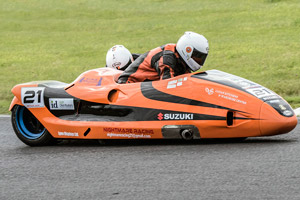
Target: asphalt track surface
{"x":257,"y":168}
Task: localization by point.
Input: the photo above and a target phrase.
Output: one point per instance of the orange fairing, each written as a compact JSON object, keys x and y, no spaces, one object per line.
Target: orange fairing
{"x":14,"y":102}
{"x":272,"y":123}
{"x":16,"y":90}
{"x":210,"y":104}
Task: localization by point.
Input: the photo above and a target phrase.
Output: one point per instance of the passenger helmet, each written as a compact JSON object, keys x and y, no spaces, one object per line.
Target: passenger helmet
{"x":193,"y":49}
{"x":118,"y":57}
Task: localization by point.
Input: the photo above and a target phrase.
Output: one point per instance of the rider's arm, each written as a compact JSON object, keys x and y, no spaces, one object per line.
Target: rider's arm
{"x":166,"y":66}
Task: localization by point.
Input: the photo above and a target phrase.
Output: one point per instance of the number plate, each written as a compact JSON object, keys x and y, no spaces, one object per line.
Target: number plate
{"x":261,"y":92}
{"x":33,"y":97}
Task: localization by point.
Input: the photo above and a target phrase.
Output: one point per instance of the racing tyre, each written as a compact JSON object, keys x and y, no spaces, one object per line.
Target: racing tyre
{"x":28,"y":129}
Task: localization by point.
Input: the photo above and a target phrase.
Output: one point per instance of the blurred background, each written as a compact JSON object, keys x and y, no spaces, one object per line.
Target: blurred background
{"x":59,"y":39}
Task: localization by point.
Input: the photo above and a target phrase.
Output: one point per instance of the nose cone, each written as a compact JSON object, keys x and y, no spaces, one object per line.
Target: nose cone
{"x":276,"y":117}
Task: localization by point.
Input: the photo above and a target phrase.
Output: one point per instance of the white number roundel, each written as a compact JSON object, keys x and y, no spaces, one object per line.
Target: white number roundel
{"x":33,"y":97}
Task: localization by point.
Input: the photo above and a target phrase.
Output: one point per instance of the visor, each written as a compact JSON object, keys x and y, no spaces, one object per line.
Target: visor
{"x":199,"y":57}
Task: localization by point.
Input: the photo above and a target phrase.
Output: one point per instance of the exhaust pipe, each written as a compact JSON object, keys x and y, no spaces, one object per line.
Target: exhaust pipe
{"x":187,"y":134}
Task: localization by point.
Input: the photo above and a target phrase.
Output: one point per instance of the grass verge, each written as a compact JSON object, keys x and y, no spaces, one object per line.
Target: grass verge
{"x":59,"y":39}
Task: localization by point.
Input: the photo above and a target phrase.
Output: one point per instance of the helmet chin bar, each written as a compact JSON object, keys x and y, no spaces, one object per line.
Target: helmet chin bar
{"x":193,"y":65}
{"x":125,"y":66}
{"x":190,"y":62}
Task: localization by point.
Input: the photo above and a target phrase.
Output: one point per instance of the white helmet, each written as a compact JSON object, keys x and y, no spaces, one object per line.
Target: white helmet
{"x":193,"y":49}
{"x":118,"y":57}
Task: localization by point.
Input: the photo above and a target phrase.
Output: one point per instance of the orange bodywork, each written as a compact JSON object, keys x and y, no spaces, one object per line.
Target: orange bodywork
{"x":215,"y":110}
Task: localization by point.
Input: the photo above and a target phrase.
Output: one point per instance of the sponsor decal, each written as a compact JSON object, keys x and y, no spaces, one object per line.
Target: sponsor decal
{"x":175,"y":116}
{"x":288,"y":113}
{"x":188,"y":49}
{"x":225,"y":95}
{"x":128,"y":132}
{"x":176,"y":83}
{"x":127,"y":135}
{"x":71,"y":134}
{"x":91,"y":81}
{"x":229,"y":96}
{"x":61,"y":103}
{"x":99,"y":82}
{"x":270,"y":97}
{"x":209,"y":91}
{"x":33,"y":97}
{"x":282,"y":107}
{"x":251,"y":87}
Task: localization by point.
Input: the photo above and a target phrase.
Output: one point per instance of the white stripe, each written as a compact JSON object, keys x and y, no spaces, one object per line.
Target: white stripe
{"x":4,"y":115}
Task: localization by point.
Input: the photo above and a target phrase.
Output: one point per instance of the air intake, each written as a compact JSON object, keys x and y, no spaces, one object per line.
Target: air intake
{"x":229,"y":118}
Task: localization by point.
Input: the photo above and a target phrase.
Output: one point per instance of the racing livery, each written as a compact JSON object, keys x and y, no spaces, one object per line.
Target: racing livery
{"x":211,"y":104}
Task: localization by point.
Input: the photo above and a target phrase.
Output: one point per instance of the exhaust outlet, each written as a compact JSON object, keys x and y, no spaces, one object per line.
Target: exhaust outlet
{"x":180,"y":132}
{"x":187,"y":134}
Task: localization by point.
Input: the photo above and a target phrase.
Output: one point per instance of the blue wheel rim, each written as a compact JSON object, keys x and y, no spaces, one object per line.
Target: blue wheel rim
{"x":25,"y":128}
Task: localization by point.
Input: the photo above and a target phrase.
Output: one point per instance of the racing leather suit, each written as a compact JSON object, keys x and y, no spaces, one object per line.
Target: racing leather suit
{"x":157,"y":64}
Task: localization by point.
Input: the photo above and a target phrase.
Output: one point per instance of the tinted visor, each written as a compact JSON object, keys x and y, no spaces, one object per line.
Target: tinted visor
{"x":199,"y":57}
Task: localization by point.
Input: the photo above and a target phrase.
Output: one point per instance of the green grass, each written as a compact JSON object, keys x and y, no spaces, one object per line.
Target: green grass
{"x":59,"y":39}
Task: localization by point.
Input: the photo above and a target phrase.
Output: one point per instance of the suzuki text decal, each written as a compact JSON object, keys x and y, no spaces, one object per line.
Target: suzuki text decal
{"x":175,"y":116}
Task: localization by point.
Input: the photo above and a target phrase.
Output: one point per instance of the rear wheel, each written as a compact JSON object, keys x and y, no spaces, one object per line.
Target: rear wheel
{"x":28,"y":129}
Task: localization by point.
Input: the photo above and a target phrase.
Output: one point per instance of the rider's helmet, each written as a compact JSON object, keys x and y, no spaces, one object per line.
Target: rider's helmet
{"x":118,"y":57}
{"x":193,"y":49}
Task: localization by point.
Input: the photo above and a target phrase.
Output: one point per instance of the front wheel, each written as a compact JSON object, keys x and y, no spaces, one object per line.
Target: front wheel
{"x":28,"y":129}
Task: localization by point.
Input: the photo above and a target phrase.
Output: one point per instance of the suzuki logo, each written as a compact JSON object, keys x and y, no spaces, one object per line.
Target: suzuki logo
{"x":160,"y":116}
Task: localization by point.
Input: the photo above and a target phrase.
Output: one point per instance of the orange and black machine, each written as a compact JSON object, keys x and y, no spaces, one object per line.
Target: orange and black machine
{"x":211,"y":104}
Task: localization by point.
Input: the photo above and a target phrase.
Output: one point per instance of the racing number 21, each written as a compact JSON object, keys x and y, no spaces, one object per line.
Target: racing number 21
{"x":260,"y":92}
{"x":33,"y":97}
